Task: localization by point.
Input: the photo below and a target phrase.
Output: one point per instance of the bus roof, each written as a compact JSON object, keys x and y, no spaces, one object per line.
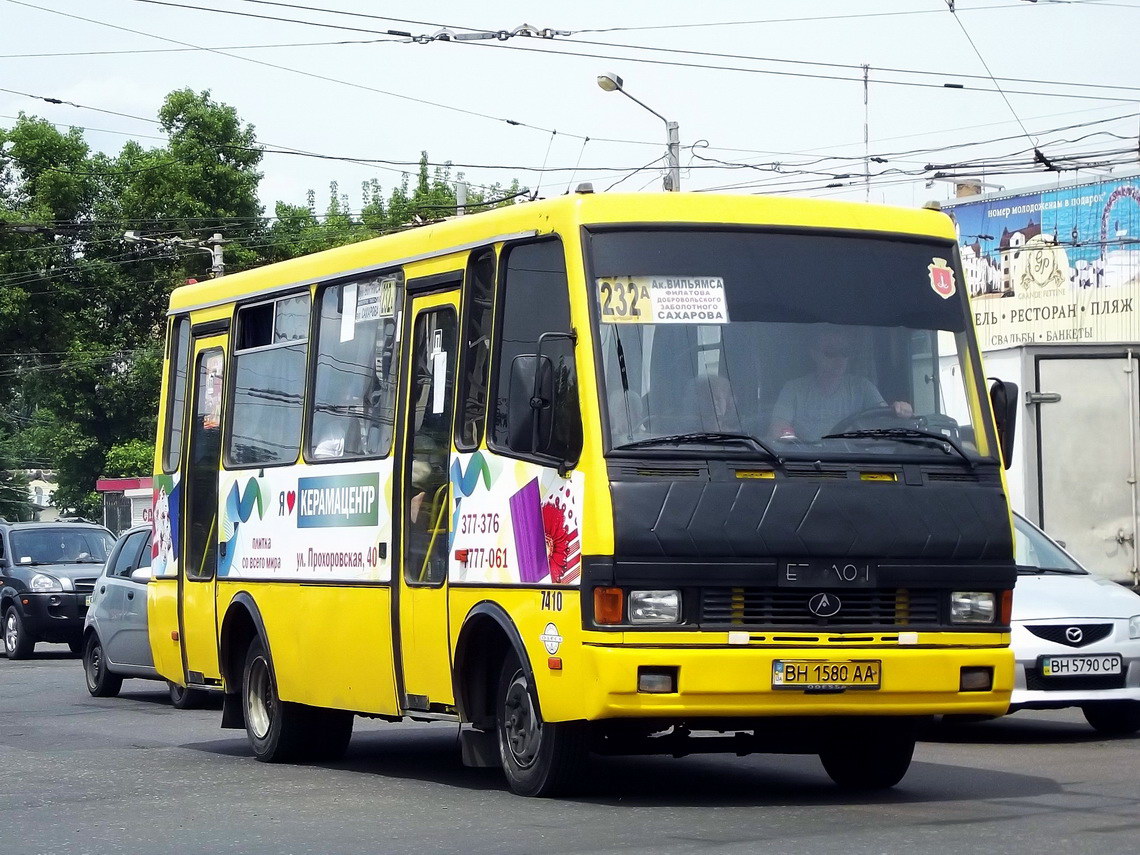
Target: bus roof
{"x":560,"y":214}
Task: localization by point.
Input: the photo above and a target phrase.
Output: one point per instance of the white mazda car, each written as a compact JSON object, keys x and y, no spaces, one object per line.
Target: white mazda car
{"x":1076,"y":637}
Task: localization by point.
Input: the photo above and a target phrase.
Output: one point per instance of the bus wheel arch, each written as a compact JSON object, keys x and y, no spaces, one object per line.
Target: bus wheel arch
{"x":241,"y":626}
{"x":487,"y":638}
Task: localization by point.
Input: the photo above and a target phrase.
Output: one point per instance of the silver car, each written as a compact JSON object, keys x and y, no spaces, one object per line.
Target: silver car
{"x":116,"y":643}
{"x":1076,"y":637}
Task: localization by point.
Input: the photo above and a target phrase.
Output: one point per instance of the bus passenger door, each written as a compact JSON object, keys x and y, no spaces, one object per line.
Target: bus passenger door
{"x":197,"y":622}
{"x":425,"y":501}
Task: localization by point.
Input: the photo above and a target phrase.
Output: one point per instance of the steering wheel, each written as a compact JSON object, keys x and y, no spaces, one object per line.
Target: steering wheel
{"x":875,"y":416}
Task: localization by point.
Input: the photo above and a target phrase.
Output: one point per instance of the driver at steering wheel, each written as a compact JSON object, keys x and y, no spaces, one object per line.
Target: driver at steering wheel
{"x":809,"y":407}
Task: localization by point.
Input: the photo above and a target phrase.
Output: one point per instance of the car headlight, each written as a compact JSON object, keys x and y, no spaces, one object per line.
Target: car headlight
{"x":1134,"y":626}
{"x":972,"y":607}
{"x":654,"y":606}
{"x":44,"y":584}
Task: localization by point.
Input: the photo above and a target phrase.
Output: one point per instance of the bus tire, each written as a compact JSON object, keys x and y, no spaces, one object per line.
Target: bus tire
{"x":538,"y":758}
{"x":276,"y":729}
{"x":869,"y":757}
{"x":183,"y":697}
{"x":329,"y":734}
{"x":101,"y":683}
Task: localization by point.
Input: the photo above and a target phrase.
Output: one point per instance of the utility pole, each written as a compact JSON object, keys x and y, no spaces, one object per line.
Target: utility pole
{"x":612,"y":83}
{"x":211,"y":245}
{"x":217,"y":263}
{"x":867,"y":131}
{"x":460,"y":198}
{"x":674,"y":156}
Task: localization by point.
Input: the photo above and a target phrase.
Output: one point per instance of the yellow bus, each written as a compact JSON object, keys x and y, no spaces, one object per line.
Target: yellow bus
{"x":600,"y":474}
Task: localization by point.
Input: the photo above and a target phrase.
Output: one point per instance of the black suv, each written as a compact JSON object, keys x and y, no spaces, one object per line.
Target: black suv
{"x":47,"y":574}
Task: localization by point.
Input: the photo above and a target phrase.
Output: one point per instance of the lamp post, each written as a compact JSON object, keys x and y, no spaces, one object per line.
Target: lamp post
{"x":612,"y":83}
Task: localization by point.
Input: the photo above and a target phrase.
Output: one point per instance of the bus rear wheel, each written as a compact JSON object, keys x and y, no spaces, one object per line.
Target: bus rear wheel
{"x":871,"y":755}
{"x":276,"y":729}
{"x":539,"y":758}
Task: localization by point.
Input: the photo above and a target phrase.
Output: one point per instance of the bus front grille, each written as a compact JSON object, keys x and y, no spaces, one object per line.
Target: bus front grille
{"x":876,"y":608}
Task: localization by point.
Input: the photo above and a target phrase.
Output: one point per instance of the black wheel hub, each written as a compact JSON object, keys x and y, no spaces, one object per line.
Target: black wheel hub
{"x":522,"y":728}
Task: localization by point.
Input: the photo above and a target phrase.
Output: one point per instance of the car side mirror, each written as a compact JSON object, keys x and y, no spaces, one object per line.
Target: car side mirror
{"x":141,"y":574}
{"x":1003,"y":399}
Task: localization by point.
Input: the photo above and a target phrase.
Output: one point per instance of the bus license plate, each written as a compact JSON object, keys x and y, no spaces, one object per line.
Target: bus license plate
{"x":826,"y":674}
{"x":87,"y":600}
{"x":1080,"y":666}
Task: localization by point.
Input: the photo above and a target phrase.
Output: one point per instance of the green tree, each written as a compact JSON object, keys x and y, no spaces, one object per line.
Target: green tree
{"x":88,"y":316}
{"x":131,"y":459}
{"x":83,"y":311}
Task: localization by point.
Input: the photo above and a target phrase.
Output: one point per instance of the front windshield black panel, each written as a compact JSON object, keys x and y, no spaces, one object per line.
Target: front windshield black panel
{"x":786,"y":336}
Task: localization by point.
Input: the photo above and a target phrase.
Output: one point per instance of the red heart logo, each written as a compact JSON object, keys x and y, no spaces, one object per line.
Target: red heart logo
{"x":290,"y":499}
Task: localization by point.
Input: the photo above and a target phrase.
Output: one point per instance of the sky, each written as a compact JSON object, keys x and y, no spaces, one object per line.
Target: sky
{"x":732,"y":74}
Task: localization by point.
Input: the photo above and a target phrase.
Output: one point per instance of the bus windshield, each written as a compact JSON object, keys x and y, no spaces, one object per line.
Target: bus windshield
{"x":816,"y":344}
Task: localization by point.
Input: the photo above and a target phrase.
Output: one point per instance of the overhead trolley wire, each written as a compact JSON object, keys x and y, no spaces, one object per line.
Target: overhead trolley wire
{"x":776,"y":73}
{"x":986,"y":66}
{"x":681,"y":51}
{"x":269,"y":148}
{"x":807,"y":18}
{"x":270,"y":17}
{"x":337,"y":43}
{"x":316,"y":76}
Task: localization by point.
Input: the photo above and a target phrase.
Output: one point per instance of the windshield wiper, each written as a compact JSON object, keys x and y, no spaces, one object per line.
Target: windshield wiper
{"x":1040,"y":571}
{"x":703,"y":436}
{"x":903,"y":435}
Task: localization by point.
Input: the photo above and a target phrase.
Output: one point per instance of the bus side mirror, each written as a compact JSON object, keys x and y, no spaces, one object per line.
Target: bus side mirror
{"x":530,"y":404}
{"x":1003,"y":398}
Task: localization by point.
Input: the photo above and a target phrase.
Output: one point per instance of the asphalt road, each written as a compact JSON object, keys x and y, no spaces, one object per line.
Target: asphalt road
{"x":131,"y":774}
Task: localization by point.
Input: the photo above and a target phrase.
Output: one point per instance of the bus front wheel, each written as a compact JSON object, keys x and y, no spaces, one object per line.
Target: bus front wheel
{"x":276,"y":729}
{"x":539,"y":758}
{"x":869,"y":755}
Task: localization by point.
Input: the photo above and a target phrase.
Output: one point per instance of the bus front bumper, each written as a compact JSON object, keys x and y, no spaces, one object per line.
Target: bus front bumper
{"x":739,"y":682}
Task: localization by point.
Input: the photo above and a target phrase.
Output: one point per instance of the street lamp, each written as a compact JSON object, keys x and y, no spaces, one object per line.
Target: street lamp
{"x":612,"y":83}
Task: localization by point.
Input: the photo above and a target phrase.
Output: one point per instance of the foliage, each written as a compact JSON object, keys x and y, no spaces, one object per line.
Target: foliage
{"x":131,"y":459}
{"x":83,"y":309}
{"x":14,"y":503}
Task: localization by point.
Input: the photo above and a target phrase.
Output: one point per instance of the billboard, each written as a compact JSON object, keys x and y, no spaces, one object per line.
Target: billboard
{"x":1057,"y":265}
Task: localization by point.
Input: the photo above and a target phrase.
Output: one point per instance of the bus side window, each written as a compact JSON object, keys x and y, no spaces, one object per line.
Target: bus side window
{"x":269,"y":376}
{"x":176,"y":393}
{"x":535,"y":299}
{"x":353,"y":410}
{"x":475,"y":354}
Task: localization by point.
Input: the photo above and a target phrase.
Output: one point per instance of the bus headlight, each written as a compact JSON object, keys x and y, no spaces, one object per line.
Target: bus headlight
{"x":654,"y":606}
{"x":44,"y":584}
{"x":1134,"y":626}
{"x":972,"y":607}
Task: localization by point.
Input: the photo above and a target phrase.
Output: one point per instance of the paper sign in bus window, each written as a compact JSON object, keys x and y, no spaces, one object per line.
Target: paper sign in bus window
{"x":662,"y":300}
{"x":376,"y":300}
{"x":348,"y":313}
